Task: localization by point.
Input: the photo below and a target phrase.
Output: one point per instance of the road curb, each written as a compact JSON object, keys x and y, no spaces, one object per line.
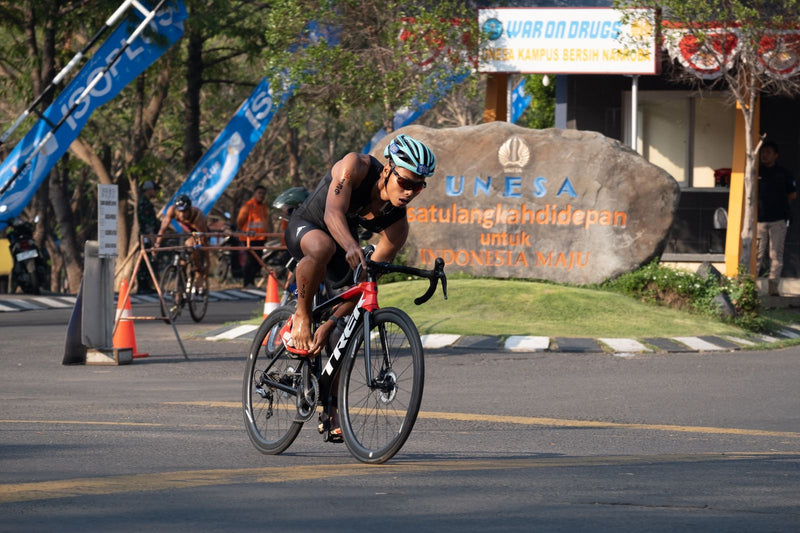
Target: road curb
{"x":521,"y":343}
{"x":513,"y":343}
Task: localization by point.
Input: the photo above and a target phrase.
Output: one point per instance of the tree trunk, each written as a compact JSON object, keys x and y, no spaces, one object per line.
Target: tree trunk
{"x":44,"y":56}
{"x":145,"y":119}
{"x":69,"y":248}
{"x":293,"y":153}
{"x":192,"y":148}
{"x":750,"y":183}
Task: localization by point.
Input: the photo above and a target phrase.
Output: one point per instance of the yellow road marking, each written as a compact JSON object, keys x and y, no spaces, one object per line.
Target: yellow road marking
{"x":557,"y":422}
{"x":70,"y":488}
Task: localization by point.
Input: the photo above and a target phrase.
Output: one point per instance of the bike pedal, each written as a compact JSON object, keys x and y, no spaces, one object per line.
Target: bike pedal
{"x":333,"y":438}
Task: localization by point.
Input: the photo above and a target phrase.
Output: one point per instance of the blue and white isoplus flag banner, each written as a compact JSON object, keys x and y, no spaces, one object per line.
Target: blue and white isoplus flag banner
{"x":219,"y":165}
{"x":217,"y":168}
{"x":43,"y":145}
{"x":520,"y":101}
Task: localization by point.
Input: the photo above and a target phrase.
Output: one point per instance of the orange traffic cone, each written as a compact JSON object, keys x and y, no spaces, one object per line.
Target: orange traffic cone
{"x":125,"y":336}
{"x":271,"y":298}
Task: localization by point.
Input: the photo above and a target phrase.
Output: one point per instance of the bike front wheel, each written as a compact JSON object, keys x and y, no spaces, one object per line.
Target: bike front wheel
{"x":377,"y":411}
{"x":198,"y":299}
{"x":172,"y":292}
{"x":270,"y":410}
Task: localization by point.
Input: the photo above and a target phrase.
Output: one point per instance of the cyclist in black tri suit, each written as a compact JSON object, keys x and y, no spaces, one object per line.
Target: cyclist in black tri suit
{"x":191,"y":219}
{"x":322,"y":232}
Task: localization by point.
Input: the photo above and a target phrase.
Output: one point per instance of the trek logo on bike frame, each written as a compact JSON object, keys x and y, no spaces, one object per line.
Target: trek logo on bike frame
{"x":348,"y":330}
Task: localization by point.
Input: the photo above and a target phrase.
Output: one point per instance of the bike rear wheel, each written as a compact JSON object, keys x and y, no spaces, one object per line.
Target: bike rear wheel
{"x":198,"y":299}
{"x":222,"y":270}
{"x":270,"y":414}
{"x":377,"y":412}
{"x":172,"y":292}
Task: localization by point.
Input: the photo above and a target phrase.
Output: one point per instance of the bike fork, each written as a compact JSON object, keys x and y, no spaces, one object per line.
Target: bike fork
{"x":378,"y":382}
{"x":367,"y":349}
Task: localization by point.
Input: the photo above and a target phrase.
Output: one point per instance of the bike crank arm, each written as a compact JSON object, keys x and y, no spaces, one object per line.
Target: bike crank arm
{"x":308,"y":395}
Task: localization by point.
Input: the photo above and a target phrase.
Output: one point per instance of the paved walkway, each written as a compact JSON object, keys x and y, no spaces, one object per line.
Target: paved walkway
{"x":618,"y":346}
{"x":10,"y":303}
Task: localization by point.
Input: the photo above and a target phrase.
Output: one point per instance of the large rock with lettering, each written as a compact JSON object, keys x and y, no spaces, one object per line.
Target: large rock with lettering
{"x":562,"y":205}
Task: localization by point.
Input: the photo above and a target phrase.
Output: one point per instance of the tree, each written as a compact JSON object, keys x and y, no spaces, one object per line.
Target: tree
{"x":382,"y":55}
{"x":158,"y":126}
{"x":30,"y":54}
{"x":542,"y":111}
{"x":218,"y":34}
{"x":747,"y":47}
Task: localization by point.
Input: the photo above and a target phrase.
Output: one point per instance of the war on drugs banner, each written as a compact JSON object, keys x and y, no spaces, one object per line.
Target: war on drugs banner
{"x":568,"y":40}
{"x":140,"y":54}
{"x":218,"y":166}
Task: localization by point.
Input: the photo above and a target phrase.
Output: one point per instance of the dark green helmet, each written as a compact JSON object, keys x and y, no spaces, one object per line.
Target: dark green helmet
{"x":290,"y":199}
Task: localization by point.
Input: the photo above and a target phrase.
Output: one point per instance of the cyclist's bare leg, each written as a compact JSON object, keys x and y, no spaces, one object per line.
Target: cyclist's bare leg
{"x":199,"y":261}
{"x":318,"y":248}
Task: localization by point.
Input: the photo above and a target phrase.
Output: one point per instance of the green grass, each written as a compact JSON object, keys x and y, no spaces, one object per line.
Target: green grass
{"x":513,"y":307}
{"x":516,"y":307}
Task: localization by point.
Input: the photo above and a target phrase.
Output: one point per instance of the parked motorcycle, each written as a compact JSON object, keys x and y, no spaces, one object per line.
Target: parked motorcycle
{"x":30,"y":263}
{"x":281,"y":261}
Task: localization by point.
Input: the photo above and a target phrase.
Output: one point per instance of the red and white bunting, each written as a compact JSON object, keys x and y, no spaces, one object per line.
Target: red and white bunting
{"x":779,"y":53}
{"x":706,"y":58}
{"x":709,"y":52}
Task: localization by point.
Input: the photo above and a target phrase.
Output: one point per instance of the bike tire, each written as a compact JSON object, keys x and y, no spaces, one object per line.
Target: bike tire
{"x":198,"y":301}
{"x":376,"y":421}
{"x":270,"y":414}
{"x":222,"y":270}
{"x":172,"y":292}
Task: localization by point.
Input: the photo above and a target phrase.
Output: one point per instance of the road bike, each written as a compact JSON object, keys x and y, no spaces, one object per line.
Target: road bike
{"x":180,"y":285}
{"x":373,"y":374}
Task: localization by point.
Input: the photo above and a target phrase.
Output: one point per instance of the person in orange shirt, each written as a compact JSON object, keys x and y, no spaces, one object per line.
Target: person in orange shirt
{"x":254,"y":216}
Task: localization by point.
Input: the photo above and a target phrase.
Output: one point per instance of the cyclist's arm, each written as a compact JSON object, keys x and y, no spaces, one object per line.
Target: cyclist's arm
{"x":391,"y":242}
{"x":165,"y":220}
{"x":347,"y":174}
{"x":324,"y":330}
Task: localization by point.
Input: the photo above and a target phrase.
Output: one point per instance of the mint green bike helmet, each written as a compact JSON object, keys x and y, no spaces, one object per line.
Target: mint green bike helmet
{"x":411,"y":154}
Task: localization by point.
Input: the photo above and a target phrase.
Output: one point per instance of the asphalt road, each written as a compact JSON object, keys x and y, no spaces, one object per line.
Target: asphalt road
{"x":504,"y":442}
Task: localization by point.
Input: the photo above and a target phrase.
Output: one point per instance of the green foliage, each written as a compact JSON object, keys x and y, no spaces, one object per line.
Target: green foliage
{"x":659,"y":284}
{"x":393,"y":277}
{"x":542,"y":111}
{"x":347,"y":93}
{"x":370,"y":66}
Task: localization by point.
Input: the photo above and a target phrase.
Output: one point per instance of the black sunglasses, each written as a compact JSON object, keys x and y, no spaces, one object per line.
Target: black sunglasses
{"x":407,"y":184}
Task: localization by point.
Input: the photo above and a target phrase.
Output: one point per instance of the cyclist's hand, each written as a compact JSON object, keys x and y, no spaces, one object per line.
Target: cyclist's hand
{"x":355,"y":256}
{"x":321,"y":336}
